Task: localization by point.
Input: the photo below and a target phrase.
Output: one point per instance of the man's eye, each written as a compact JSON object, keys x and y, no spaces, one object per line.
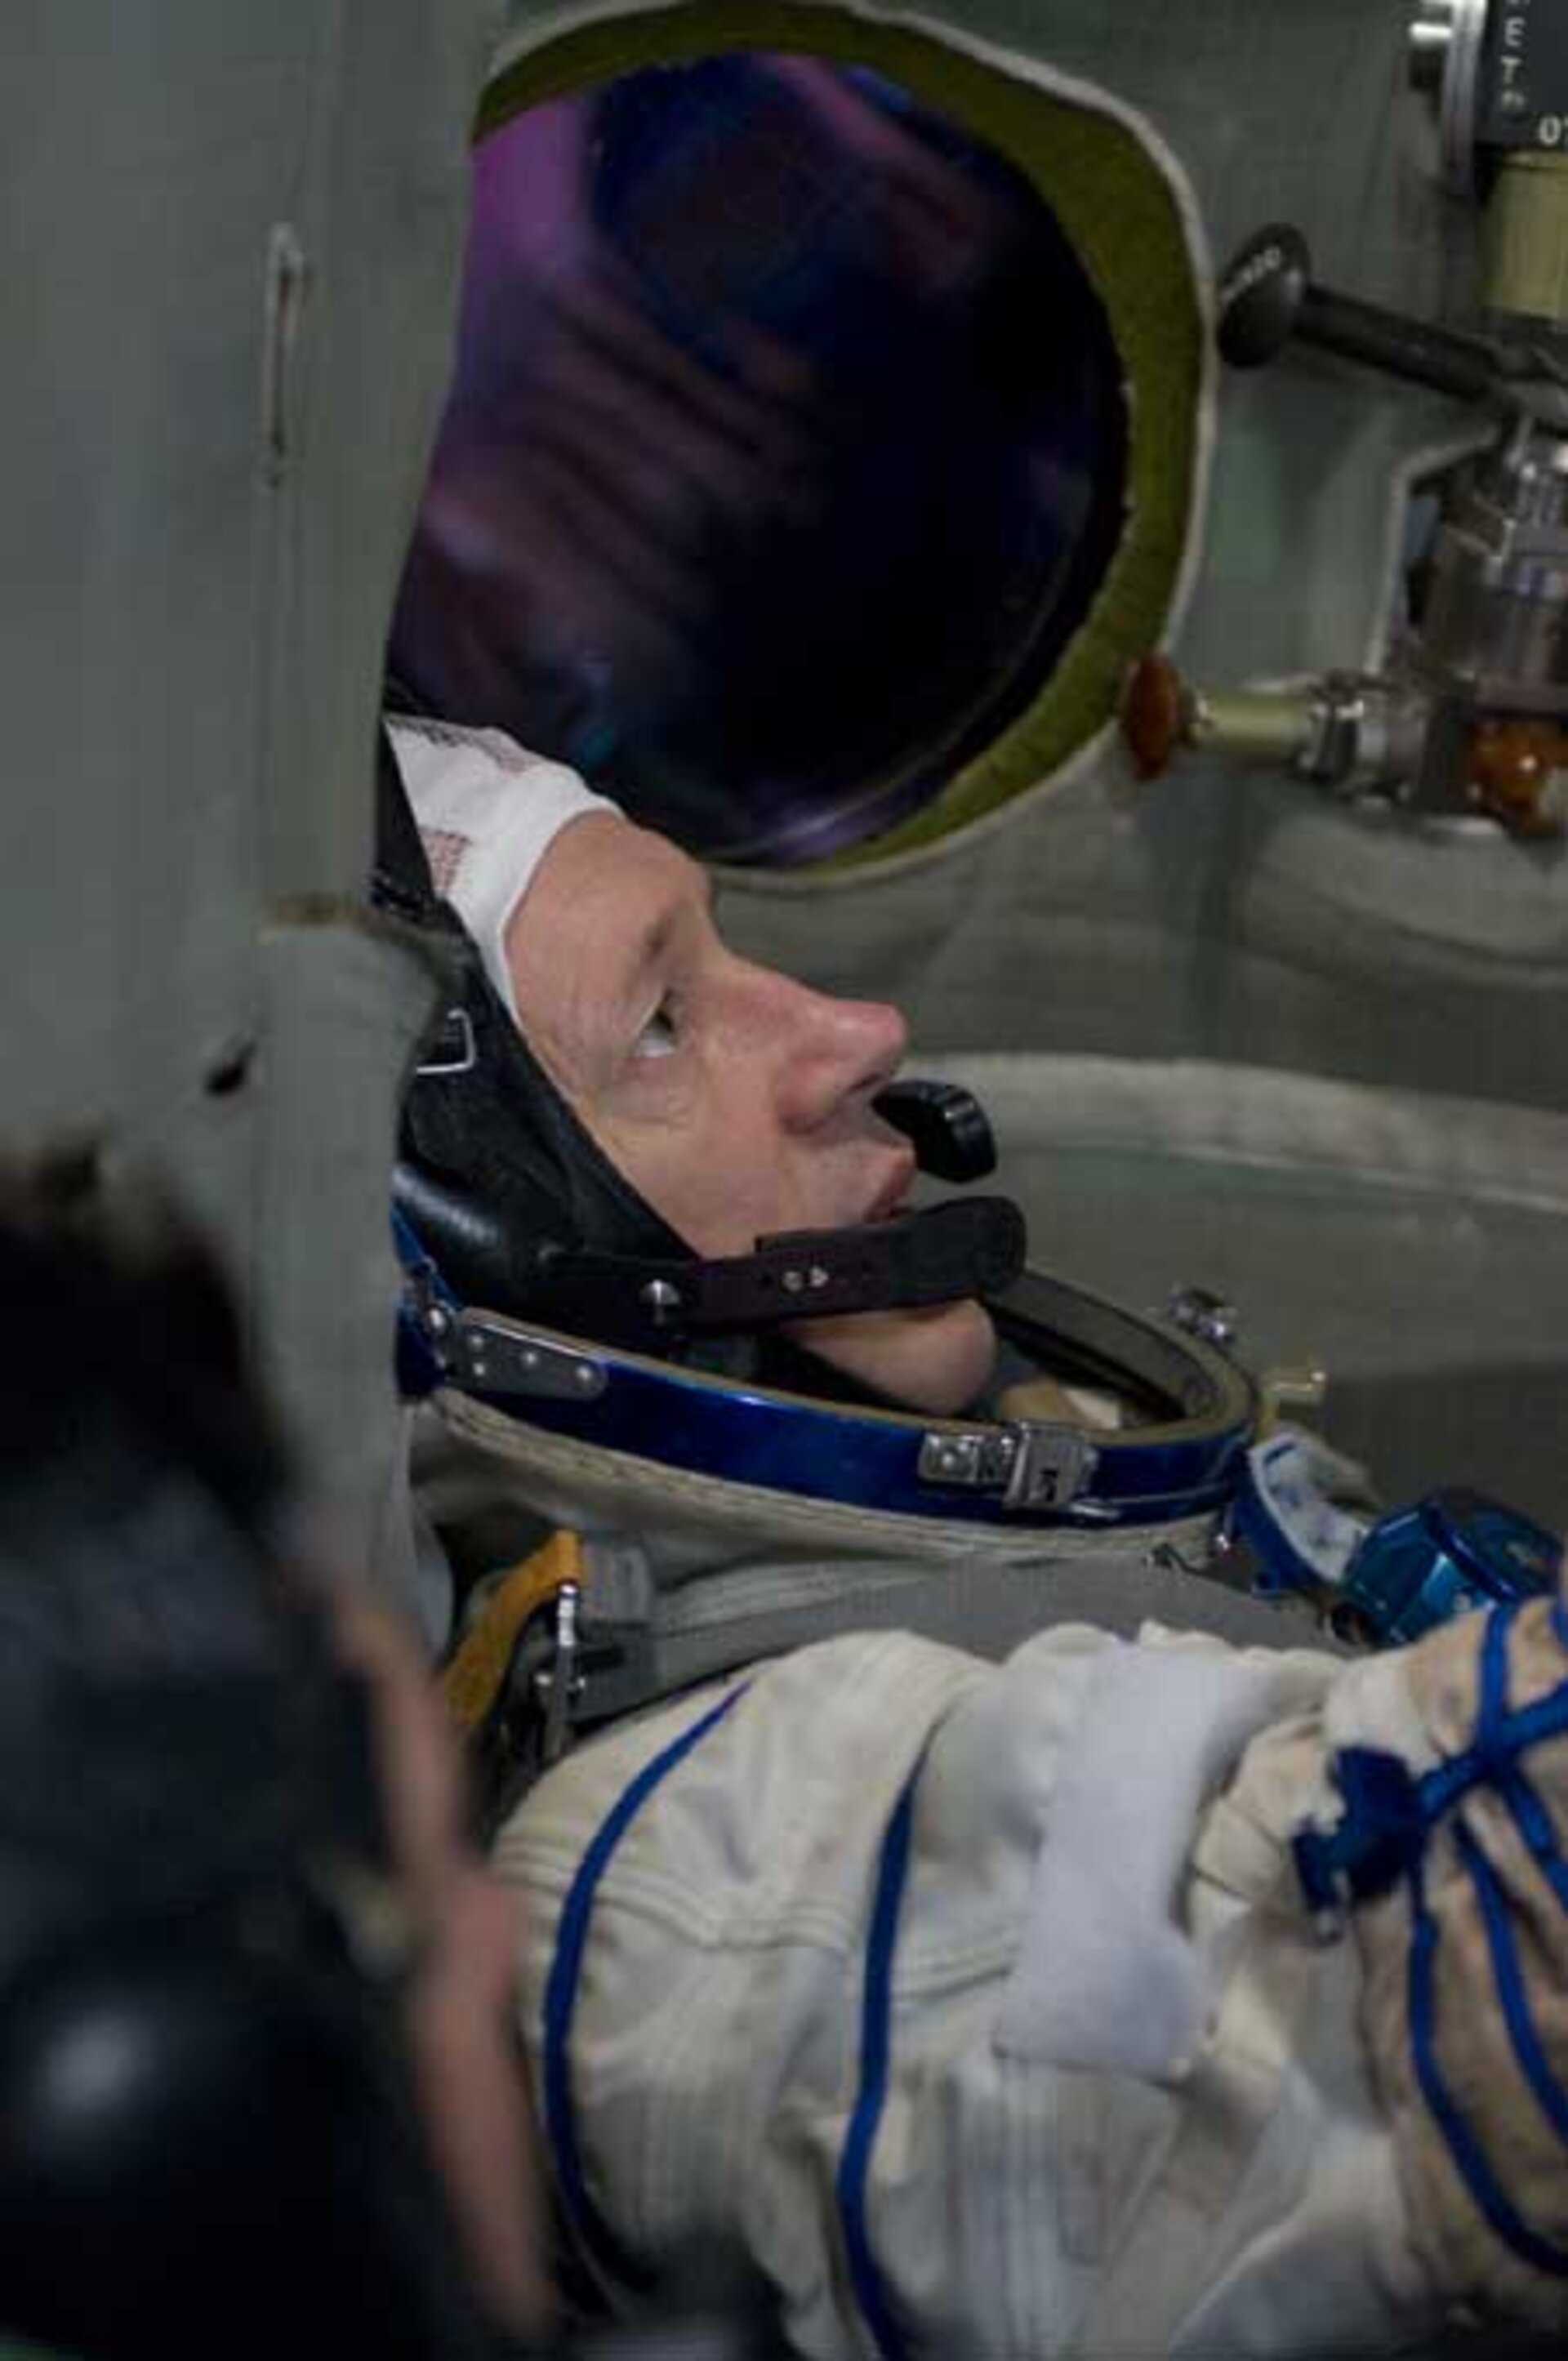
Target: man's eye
{"x":660,"y":1036}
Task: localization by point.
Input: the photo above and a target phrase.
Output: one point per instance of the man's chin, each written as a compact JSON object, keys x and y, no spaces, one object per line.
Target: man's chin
{"x":935,"y":1360}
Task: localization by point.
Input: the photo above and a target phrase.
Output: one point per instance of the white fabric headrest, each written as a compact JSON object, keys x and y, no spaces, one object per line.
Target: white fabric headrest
{"x":487,"y":812}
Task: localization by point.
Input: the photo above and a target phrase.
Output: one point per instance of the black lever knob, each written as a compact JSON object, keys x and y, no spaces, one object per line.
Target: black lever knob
{"x":1267,"y":295}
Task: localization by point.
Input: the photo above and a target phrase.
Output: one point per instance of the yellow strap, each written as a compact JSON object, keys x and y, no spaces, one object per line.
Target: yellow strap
{"x":472,"y":1681}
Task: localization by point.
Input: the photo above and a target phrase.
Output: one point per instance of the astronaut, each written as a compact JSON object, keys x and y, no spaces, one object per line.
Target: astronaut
{"x":1137,"y":1993}
{"x":606,"y":1167}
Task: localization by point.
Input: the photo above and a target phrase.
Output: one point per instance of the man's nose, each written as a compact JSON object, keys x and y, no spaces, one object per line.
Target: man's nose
{"x":831,"y":1052}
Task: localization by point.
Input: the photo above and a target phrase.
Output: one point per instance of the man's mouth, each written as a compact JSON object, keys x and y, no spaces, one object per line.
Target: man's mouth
{"x":892,"y":1197}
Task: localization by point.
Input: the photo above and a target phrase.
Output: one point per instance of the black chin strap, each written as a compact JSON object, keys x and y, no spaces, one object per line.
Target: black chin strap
{"x":962,"y":1248}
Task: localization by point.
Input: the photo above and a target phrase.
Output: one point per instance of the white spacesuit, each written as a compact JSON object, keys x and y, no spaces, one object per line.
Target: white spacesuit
{"x":985,"y":2009}
{"x":1132,"y":1994}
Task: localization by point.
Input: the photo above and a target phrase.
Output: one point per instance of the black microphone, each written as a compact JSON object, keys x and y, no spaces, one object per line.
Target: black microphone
{"x":947,"y":1127}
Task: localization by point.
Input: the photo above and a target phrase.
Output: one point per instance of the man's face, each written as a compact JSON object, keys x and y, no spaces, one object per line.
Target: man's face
{"x":736,"y":1101}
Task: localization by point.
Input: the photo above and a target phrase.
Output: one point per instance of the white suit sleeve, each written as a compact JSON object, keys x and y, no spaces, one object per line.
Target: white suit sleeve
{"x":979,"y":2006}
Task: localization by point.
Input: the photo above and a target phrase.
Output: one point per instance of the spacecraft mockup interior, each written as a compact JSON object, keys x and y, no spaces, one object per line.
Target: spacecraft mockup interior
{"x":1296,"y":1000}
{"x":1065,"y":505}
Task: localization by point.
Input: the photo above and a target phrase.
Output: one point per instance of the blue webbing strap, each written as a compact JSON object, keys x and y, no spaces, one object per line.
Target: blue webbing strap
{"x":1388,"y":1817}
{"x":416,"y":1262}
{"x":1536,"y":1834}
{"x":419,"y":1371}
{"x":599,"y":2239}
{"x":876,"y":2012}
{"x":1498,"y":1744}
{"x":1526,"y":1809}
{"x":1387,"y":1813}
{"x":1469,"y":2159}
{"x":1549,"y":2094}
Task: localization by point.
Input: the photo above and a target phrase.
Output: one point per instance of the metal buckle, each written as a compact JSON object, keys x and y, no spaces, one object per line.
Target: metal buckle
{"x":501,"y":1360}
{"x":979,"y":1462}
{"x":1053,"y":1466}
{"x":1032,"y":1466}
{"x":559,"y":1685}
{"x":467,"y":1054}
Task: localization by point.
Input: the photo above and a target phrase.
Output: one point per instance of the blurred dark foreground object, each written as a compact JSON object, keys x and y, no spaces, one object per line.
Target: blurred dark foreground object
{"x":211,"y":2140}
{"x":208,"y":2141}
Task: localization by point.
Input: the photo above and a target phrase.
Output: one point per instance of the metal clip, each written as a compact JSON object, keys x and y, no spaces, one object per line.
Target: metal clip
{"x":432,"y":1318}
{"x":1033,"y":1466}
{"x":1283,"y":1392}
{"x":467,"y":1056}
{"x":503,"y":1360}
{"x":980,"y":1461}
{"x":1199,"y":1312}
{"x":1052,"y":1467}
{"x":559,"y":1685}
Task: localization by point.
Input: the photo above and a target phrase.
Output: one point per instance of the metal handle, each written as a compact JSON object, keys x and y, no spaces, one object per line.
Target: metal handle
{"x":1267,"y":296}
